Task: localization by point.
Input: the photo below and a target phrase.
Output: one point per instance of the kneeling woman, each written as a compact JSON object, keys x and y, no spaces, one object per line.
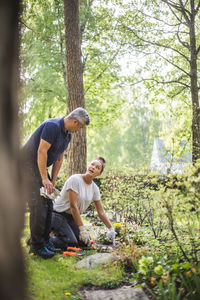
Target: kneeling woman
{"x":77,"y":194}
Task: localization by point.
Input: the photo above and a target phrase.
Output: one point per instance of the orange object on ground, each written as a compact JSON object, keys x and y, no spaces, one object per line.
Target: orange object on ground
{"x":74,"y":249}
{"x":69,"y":253}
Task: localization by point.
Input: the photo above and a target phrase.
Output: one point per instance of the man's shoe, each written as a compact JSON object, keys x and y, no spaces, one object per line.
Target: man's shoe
{"x":51,"y":248}
{"x":43,"y":252}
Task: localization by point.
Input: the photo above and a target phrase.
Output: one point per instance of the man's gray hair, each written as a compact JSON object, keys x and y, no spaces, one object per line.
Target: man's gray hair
{"x":81,"y":115}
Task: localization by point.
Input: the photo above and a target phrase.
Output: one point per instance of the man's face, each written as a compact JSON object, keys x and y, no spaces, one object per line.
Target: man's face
{"x":76,"y":126}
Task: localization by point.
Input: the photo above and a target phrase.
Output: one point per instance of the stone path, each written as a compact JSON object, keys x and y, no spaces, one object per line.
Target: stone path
{"x":123,"y":293}
{"x":94,"y":260}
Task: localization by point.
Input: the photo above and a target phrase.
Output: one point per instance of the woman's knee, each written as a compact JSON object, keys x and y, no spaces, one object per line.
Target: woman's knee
{"x":63,"y":241}
{"x":56,"y":221}
{"x":57,"y":242}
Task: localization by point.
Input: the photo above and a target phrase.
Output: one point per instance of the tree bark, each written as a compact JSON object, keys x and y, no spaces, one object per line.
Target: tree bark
{"x":76,"y":154}
{"x":194,"y":88}
{"x":12,"y":274}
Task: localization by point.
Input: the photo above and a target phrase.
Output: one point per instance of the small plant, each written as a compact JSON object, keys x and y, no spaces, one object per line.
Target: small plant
{"x":117,"y":227}
{"x":101,"y":238}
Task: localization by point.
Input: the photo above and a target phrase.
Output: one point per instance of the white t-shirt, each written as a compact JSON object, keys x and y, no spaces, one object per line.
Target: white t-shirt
{"x":86,"y":194}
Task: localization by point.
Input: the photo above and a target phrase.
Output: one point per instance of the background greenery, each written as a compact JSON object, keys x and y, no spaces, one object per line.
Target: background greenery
{"x":125,"y":95}
{"x":135,"y":90}
{"x":158,"y":244}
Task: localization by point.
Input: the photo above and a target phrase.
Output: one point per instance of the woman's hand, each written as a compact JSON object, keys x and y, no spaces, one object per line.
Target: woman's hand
{"x":84,"y":235}
{"x":111,"y":234}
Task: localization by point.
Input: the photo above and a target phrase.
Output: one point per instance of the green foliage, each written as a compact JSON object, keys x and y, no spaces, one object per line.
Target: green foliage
{"x":127,"y":193}
{"x":160,"y":274}
{"x":157,"y":37}
{"x":43,"y":68}
{"x":43,"y":90}
{"x":122,"y":125}
{"x":157,"y":211}
{"x":161,"y":245}
{"x":158,"y":241}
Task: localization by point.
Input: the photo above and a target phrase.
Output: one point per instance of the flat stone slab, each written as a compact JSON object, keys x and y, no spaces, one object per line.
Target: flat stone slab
{"x":123,"y":293}
{"x":94,"y":260}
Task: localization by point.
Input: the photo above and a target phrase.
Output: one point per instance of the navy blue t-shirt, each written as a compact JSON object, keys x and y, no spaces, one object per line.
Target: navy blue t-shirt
{"x":52,"y":131}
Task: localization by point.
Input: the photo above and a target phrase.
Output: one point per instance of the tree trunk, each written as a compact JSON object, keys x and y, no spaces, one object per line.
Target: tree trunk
{"x":76,"y":154}
{"x":194,"y":89}
{"x":12,"y":275}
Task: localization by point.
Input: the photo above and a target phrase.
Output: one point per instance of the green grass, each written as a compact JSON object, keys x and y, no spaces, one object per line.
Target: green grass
{"x":53,"y":278}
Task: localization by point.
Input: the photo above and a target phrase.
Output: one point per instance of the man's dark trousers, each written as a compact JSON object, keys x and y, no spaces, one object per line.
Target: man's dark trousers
{"x":40,"y":212}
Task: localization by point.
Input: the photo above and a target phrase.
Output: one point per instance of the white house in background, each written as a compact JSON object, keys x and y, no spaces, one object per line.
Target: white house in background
{"x":164,"y":163}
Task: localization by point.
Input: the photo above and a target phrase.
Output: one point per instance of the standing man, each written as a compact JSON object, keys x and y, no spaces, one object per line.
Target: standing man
{"x":46,"y":148}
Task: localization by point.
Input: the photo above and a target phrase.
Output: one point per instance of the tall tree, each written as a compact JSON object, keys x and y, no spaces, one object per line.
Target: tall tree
{"x":77,"y":150}
{"x":186,"y":15}
{"x":168,"y":31}
{"x":44,"y":61}
{"x":12,"y":275}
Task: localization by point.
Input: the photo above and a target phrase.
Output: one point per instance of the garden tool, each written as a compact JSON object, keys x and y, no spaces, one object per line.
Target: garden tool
{"x":72,"y":253}
{"x":74,"y":249}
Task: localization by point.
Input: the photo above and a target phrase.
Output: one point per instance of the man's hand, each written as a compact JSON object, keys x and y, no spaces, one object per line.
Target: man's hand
{"x":52,"y":196}
{"x":48,"y":186}
{"x":111,"y":235}
{"x":84,"y":235}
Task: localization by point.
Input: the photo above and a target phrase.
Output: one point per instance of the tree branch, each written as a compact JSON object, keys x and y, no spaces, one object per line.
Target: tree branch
{"x":184,"y":10}
{"x":83,"y":25}
{"x":173,"y":64}
{"x":162,"y":82}
{"x":197,"y":8}
{"x":38,"y":33}
{"x":102,"y":72}
{"x":172,"y":11}
{"x":179,"y":92}
{"x":63,"y":66}
{"x":158,"y":44}
{"x":162,"y":21}
{"x":172,"y":4}
{"x":198,"y":49}
{"x":85,"y":60}
{"x":180,"y":8}
{"x":185,"y":44}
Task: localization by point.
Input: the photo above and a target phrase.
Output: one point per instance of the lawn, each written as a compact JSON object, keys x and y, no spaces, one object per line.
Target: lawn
{"x":58,"y":278}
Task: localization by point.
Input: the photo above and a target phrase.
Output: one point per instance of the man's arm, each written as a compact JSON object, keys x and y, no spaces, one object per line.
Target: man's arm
{"x":42,"y":165}
{"x":102,"y":214}
{"x":56,"y":168}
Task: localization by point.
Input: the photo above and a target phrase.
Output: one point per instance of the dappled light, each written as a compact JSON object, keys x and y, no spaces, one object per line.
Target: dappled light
{"x":127,"y":225}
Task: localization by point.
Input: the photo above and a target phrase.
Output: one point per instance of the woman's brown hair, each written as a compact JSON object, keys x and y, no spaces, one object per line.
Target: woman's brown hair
{"x":102,"y":161}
